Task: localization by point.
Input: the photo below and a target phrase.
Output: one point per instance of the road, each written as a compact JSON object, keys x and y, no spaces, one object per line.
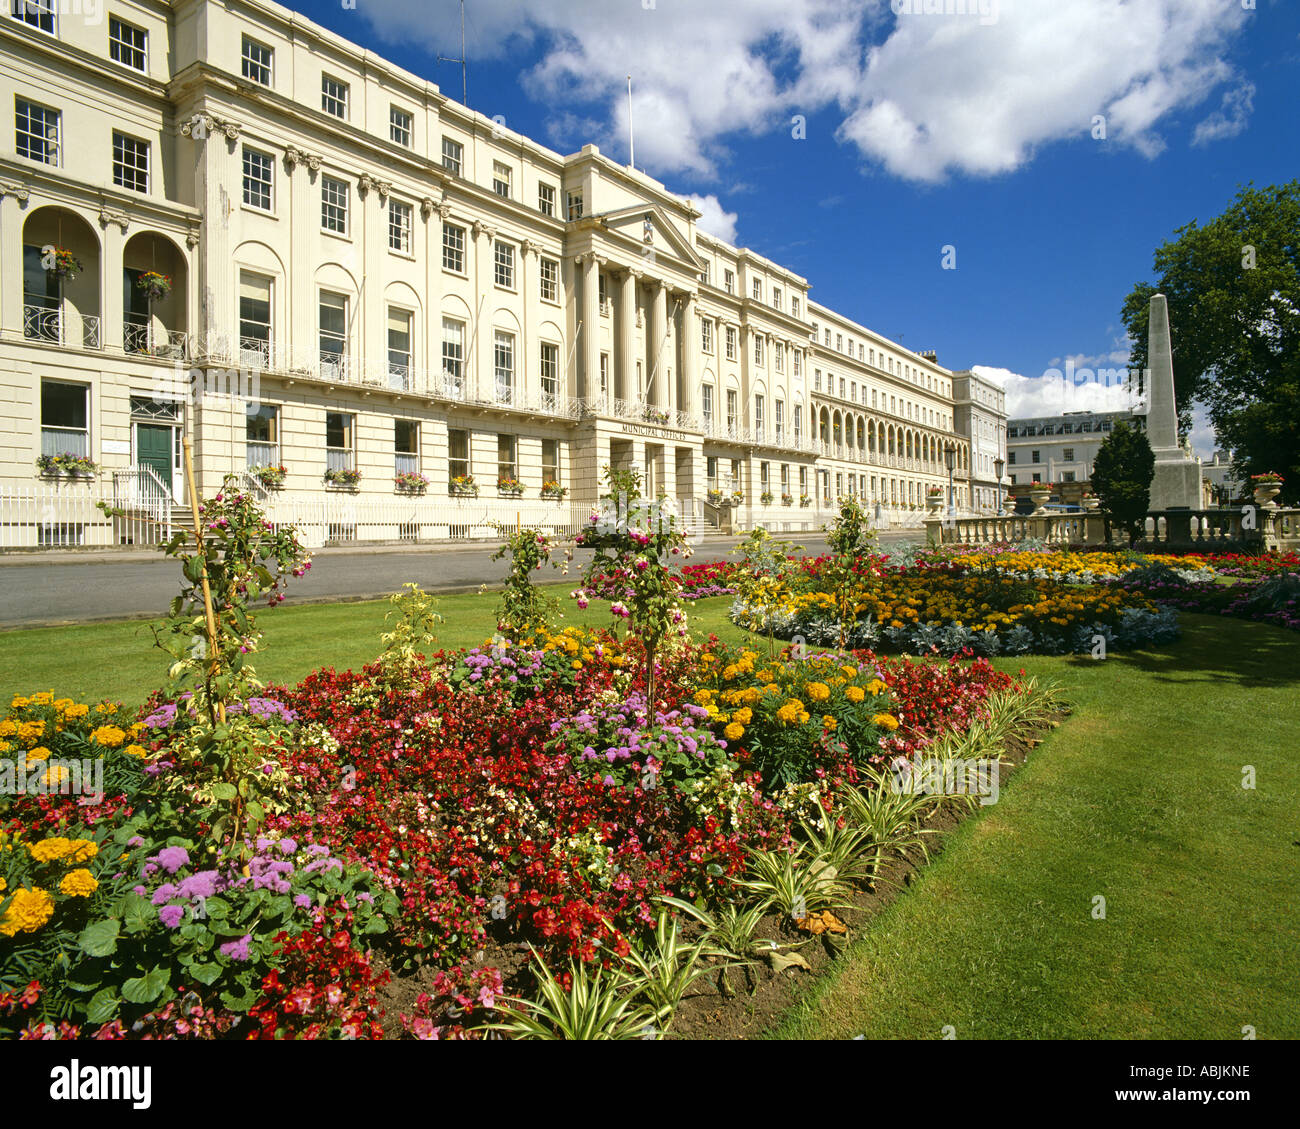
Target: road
{"x":46,"y":589}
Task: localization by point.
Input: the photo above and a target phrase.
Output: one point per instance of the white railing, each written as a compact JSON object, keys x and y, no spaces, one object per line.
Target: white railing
{"x":64,"y":513}
{"x":45,"y":323}
{"x":342,"y":520}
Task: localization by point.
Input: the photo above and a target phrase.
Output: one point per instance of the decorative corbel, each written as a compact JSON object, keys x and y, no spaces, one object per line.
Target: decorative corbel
{"x":384,"y":188}
{"x":365,"y":182}
{"x":120,"y":218}
{"x":19,"y":192}
{"x":480,"y":228}
{"x":293,"y":157}
{"x":528,"y":247}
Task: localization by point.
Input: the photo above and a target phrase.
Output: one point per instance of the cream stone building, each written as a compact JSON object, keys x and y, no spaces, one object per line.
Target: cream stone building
{"x":365,"y":281}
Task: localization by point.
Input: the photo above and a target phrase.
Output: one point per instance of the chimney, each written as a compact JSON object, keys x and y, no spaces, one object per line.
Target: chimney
{"x":929,"y":355}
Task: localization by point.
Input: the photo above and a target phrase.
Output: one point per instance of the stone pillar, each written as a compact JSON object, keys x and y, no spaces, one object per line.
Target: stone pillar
{"x":625,"y":364}
{"x":14,"y":204}
{"x":689,"y":401}
{"x":478,"y":369}
{"x":590,"y":386}
{"x":656,"y":334}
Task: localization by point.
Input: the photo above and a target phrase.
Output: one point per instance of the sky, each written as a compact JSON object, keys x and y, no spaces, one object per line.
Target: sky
{"x":985,"y":178}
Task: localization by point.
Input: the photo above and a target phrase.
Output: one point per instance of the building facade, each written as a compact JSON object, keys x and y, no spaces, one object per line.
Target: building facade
{"x":238,"y":227}
{"x":1060,"y":449}
{"x":980,"y":415}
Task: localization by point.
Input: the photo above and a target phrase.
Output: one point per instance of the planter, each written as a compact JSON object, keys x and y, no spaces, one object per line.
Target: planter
{"x":344,"y":479}
{"x":464,"y":492}
{"x":1091,"y":505}
{"x":154,"y":286}
{"x":1265,"y":492}
{"x":1040,"y":499}
{"x":935,"y":503}
{"x":63,"y":264}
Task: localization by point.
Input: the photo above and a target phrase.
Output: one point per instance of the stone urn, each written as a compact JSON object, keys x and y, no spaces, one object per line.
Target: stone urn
{"x":935,"y":503}
{"x":1091,"y":503}
{"x":1265,"y":492}
{"x":1039,"y":496}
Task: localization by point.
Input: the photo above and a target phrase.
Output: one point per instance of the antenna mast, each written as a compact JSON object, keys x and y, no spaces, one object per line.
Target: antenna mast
{"x":463,"y":60}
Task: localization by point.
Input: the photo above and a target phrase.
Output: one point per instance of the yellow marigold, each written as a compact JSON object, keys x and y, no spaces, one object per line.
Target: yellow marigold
{"x":79,"y":710}
{"x":37,"y":754}
{"x":828,"y":722}
{"x":82,"y":850}
{"x":19,"y":703}
{"x":109,"y":736}
{"x":3,"y":885}
{"x":885,"y":721}
{"x":29,"y":910}
{"x":875,"y":686}
{"x":55,"y":775}
{"x":47,"y":850}
{"x":730,"y":672}
{"x":702,"y":697}
{"x":106,"y":707}
{"x":62,"y":704}
{"x":744,"y":716}
{"x":818,"y":691}
{"x":136,"y":751}
{"x":854,"y":693}
{"x":7,"y":728}
{"x":78,"y":883}
{"x":789,"y":713}
{"x":734,"y":732}
{"x":43,"y":698}
{"x":576,"y":664}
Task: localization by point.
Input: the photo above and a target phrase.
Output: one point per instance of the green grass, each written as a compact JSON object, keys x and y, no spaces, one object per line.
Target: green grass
{"x":1139,"y":799}
{"x":119,"y":660}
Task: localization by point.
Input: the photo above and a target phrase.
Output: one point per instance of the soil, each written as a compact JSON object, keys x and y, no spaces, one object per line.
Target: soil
{"x":759,"y":997}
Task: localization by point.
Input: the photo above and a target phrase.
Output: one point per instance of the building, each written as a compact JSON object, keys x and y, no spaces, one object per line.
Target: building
{"x":428,"y":321}
{"x":1223,"y":485}
{"x":1060,"y":449}
{"x":980,"y":414}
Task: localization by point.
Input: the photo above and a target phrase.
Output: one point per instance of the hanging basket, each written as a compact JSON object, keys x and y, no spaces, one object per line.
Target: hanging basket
{"x":154,"y":286}
{"x":61,"y":263}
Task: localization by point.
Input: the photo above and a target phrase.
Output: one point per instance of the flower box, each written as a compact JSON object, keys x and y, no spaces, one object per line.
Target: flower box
{"x":554,"y":490}
{"x":271,"y":477}
{"x":74,"y":466}
{"x":463,"y":486}
{"x":411,"y":482}
{"x":787,"y":499}
{"x":805,"y":501}
{"x":510,"y":488}
{"x":348,"y":479}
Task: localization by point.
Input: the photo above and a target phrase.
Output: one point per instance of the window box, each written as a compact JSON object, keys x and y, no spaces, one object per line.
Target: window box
{"x":411,"y":482}
{"x":554,"y":490}
{"x":463,"y":486}
{"x":766,"y":497}
{"x":343,"y":477}
{"x":74,"y":466}
{"x":510,"y":488}
{"x":787,"y":499}
{"x":271,"y":477}
{"x":805,"y":501}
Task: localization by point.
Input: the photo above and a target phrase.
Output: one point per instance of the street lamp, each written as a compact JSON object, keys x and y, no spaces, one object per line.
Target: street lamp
{"x":999,"y":465}
{"x":950,"y":461}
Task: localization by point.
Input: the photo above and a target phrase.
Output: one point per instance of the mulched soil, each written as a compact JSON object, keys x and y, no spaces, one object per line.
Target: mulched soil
{"x":759,"y":996}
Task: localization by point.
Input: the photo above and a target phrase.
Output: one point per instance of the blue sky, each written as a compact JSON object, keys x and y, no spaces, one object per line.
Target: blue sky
{"x":970,"y":128}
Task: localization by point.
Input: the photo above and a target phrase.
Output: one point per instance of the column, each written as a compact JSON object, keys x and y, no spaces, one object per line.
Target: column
{"x":625,"y":367}
{"x":478,"y":374}
{"x":657,"y":332}
{"x":590,"y":387}
{"x":690,"y":342}
{"x":13,"y":202}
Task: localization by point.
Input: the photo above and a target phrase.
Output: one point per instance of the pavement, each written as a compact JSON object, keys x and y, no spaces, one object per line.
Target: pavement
{"x":56,"y":588}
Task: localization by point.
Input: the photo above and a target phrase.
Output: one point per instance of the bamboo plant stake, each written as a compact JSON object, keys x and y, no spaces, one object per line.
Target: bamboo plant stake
{"x":198,"y":541}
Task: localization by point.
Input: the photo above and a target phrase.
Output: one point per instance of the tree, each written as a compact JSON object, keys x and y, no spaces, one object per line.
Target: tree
{"x":1121,"y":478}
{"x":1233,"y":286}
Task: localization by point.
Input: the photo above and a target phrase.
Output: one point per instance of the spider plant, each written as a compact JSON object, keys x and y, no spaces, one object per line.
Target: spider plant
{"x":602,"y":1004}
{"x":728,"y":932}
{"x":794,"y":883}
{"x":668,"y":967}
{"x":888,"y":817}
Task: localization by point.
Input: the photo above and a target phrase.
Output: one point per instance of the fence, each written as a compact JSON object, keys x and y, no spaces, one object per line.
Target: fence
{"x":65,"y":513}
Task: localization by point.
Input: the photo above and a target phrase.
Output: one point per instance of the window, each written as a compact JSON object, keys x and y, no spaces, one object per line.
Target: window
{"x":776,"y":297}
{"x":573,"y":205}
{"x":764,"y":476}
{"x":780,"y":420}
{"x":399,"y":126}
{"x":706,"y":406}
{"x":503,"y":366}
{"x":501,"y":179}
{"x":785,"y":478}
{"x":126,"y":44}
{"x":549,"y":274}
{"x":130,"y":162}
{"x":257,"y":179}
{"x":457,"y":454}
{"x":1068,"y":454}
{"x":711,"y":471}
{"x":334,"y":205}
{"x":399,"y":348}
{"x":803,"y":480}
{"x":37,"y":13}
{"x":334,"y":96}
{"x":550,"y":372}
{"x":453,"y":155}
{"x":339,"y":431}
{"x":817,"y":380}
{"x":504,"y":265}
{"x":546,"y":199}
{"x":798,"y":363}
{"x":798,"y":423}
{"x":839,"y":342}
{"x":732,"y":405}
{"x":706,"y":335}
{"x":841,"y":388}
{"x":333,"y":321}
{"x":1038,"y":478}
{"x":254,"y":315}
{"x":1068,"y":476}
{"x":256,"y":62}
{"x":453,"y":248}
{"x":262,"y":437}
{"x":758,"y":417}
{"x":778,"y":351}
{"x":36,"y":132}
{"x":507,"y":464}
{"x":1033,"y":456}
{"x":400,"y":219}
{"x":65,"y":419}
{"x":550,"y":461}
{"x":794,"y":307}
{"x":729,"y":281}
{"x":453,"y":354}
{"x":706,"y":275}
{"x":827,"y":337}
{"x":604,"y":376}
{"x":731,"y":342}
{"x":758,"y":290}
{"x":406,"y":446}
{"x":602,"y":282}
{"x":758,"y":348}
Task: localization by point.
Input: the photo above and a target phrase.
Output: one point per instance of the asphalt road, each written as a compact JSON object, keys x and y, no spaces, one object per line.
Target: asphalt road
{"x":74,"y":588}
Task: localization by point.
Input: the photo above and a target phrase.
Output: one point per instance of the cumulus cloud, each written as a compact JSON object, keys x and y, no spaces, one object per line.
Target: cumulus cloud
{"x":1053,"y":393}
{"x":921,"y":95}
{"x":715,"y":220}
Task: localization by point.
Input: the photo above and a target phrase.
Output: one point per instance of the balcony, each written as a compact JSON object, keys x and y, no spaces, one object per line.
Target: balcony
{"x":55,"y":326}
{"x":144,"y":337}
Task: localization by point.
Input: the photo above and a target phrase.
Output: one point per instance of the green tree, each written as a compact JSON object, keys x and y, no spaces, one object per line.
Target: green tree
{"x":1121,"y":477}
{"x":1233,"y":286}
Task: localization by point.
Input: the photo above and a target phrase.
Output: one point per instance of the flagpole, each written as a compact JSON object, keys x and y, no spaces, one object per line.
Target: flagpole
{"x":631,"y":136}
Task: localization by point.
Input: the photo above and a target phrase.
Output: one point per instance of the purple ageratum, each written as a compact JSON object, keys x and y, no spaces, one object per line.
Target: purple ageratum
{"x":303,"y":901}
{"x":200,"y":885}
{"x":237,"y":950}
{"x":171,"y":859}
{"x":171,"y":916}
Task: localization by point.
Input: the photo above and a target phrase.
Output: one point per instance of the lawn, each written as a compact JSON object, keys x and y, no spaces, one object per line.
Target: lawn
{"x":120,"y":661}
{"x":1137,"y":799}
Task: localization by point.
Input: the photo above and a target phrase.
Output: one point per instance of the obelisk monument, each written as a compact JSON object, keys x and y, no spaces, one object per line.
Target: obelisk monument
{"x":1177,"y":481}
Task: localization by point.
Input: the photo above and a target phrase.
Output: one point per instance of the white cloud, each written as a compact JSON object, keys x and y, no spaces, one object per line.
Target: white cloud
{"x":715,"y":220}
{"x":1052,"y":394}
{"x":924,"y":96}
{"x":1231,"y":119}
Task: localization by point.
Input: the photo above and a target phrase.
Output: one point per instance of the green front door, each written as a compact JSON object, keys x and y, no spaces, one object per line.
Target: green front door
{"x":154,"y":447}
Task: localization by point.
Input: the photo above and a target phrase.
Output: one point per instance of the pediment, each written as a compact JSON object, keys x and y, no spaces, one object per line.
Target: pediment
{"x":651,"y":226}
